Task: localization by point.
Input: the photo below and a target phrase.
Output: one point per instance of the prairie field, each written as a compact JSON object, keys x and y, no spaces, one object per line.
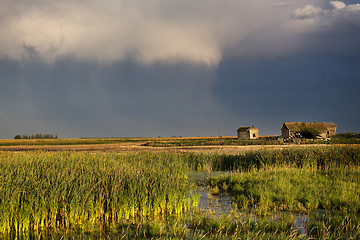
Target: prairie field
{"x":222,"y":145}
{"x":130,"y":189}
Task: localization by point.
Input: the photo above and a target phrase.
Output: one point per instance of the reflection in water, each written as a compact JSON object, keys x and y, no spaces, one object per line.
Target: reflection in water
{"x":217,"y":205}
{"x":300,"y":224}
{"x":221,"y":204}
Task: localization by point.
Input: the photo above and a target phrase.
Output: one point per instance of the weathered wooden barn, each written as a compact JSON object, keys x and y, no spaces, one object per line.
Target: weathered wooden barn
{"x":324,"y":129}
{"x":248,"y":133}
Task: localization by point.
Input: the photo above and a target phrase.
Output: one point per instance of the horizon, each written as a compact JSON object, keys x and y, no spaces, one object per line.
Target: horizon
{"x":173,"y":136}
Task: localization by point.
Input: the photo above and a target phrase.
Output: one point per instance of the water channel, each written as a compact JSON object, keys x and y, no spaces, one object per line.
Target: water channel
{"x":219,"y":205}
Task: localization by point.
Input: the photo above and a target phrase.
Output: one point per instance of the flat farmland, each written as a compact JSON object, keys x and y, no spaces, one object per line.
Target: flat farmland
{"x":153,"y":188}
{"x":224,"y":145}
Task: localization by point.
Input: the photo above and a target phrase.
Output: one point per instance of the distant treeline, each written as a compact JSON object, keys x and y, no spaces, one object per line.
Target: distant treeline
{"x":347,"y":135}
{"x":37,"y":136}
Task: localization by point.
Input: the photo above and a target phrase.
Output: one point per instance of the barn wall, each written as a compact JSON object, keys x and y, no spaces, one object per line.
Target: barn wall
{"x":254,"y":134}
{"x":331,"y":131}
{"x":285,"y":132}
{"x":243,"y":134}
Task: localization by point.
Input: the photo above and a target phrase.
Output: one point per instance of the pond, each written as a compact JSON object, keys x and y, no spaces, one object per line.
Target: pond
{"x":214,"y":205}
{"x":220,"y":204}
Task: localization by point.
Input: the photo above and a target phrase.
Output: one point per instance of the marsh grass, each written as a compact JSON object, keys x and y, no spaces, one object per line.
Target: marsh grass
{"x":145,"y":195}
{"x":67,"y":190}
{"x":323,"y":157}
{"x":200,"y":226}
{"x":294,"y":179}
{"x":293,"y":189}
{"x":335,"y":225}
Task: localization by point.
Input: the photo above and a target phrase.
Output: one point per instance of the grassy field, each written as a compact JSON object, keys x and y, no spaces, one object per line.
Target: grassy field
{"x":296,"y":190}
{"x":73,"y":195}
{"x":154,"y":142}
{"x":294,"y":179}
{"x":177,"y":141}
{"x":80,"y":190}
{"x":70,"y":141}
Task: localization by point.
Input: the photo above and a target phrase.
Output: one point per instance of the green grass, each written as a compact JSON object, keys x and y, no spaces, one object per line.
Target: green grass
{"x":234,"y":141}
{"x":293,"y":189}
{"x":334,"y":226}
{"x":79,"y":190}
{"x":210,"y":141}
{"x":154,"y":142}
{"x":199,"y":226}
{"x":73,"y":195}
{"x":70,"y":141}
{"x":323,"y":157}
{"x":296,"y":179}
{"x":179,"y":141}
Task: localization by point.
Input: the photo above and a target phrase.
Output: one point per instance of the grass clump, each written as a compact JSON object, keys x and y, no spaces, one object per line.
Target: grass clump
{"x":294,"y":189}
{"x":334,"y":226}
{"x":244,"y":227}
{"x":323,"y":157}
{"x":145,"y":195}
{"x":67,"y":190}
{"x":296,"y":179}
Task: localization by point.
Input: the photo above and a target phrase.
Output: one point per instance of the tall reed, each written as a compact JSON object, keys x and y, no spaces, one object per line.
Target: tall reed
{"x":80,"y":190}
{"x":296,"y":179}
{"x":317,"y":157}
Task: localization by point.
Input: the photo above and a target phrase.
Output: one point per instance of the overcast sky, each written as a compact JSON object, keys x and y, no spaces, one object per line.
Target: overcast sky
{"x":128,"y":68}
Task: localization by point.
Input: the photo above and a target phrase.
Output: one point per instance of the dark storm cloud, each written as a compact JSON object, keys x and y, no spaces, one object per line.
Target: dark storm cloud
{"x":168,"y":31}
{"x":302,"y":88}
{"x":146,"y":32}
{"x":118,"y":99}
{"x":144,"y":68}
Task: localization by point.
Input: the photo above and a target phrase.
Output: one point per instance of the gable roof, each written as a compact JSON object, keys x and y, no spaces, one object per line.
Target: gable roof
{"x":246,"y":128}
{"x":299,"y":126}
{"x":330,"y":124}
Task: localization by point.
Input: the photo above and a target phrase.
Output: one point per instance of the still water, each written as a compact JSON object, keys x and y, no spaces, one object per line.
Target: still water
{"x":221,"y":204}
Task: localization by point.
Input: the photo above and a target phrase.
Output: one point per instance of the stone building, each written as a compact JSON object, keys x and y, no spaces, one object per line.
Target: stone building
{"x":325,"y":129}
{"x":331,"y":128}
{"x":248,"y":133}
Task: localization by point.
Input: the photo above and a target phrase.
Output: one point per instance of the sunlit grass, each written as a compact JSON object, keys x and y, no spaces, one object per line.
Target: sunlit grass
{"x":145,"y":195}
{"x":297,"y":179}
{"x":78,"y":190}
{"x":293,"y":189}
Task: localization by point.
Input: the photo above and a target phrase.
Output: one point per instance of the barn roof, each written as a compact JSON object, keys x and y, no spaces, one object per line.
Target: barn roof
{"x":299,"y":126}
{"x":246,"y":128}
{"x":330,"y":124}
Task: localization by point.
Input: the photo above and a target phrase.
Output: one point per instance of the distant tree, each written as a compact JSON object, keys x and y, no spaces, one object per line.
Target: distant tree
{"x":347,"y":135}
{"x":36,"y":136}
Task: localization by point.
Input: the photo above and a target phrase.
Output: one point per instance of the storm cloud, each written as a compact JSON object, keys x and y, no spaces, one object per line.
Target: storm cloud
{"x":164,"y":30}
{"x":170,"y":67}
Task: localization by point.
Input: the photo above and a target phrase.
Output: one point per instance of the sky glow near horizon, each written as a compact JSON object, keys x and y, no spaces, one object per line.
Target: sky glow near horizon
{"x":176,"y":68}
